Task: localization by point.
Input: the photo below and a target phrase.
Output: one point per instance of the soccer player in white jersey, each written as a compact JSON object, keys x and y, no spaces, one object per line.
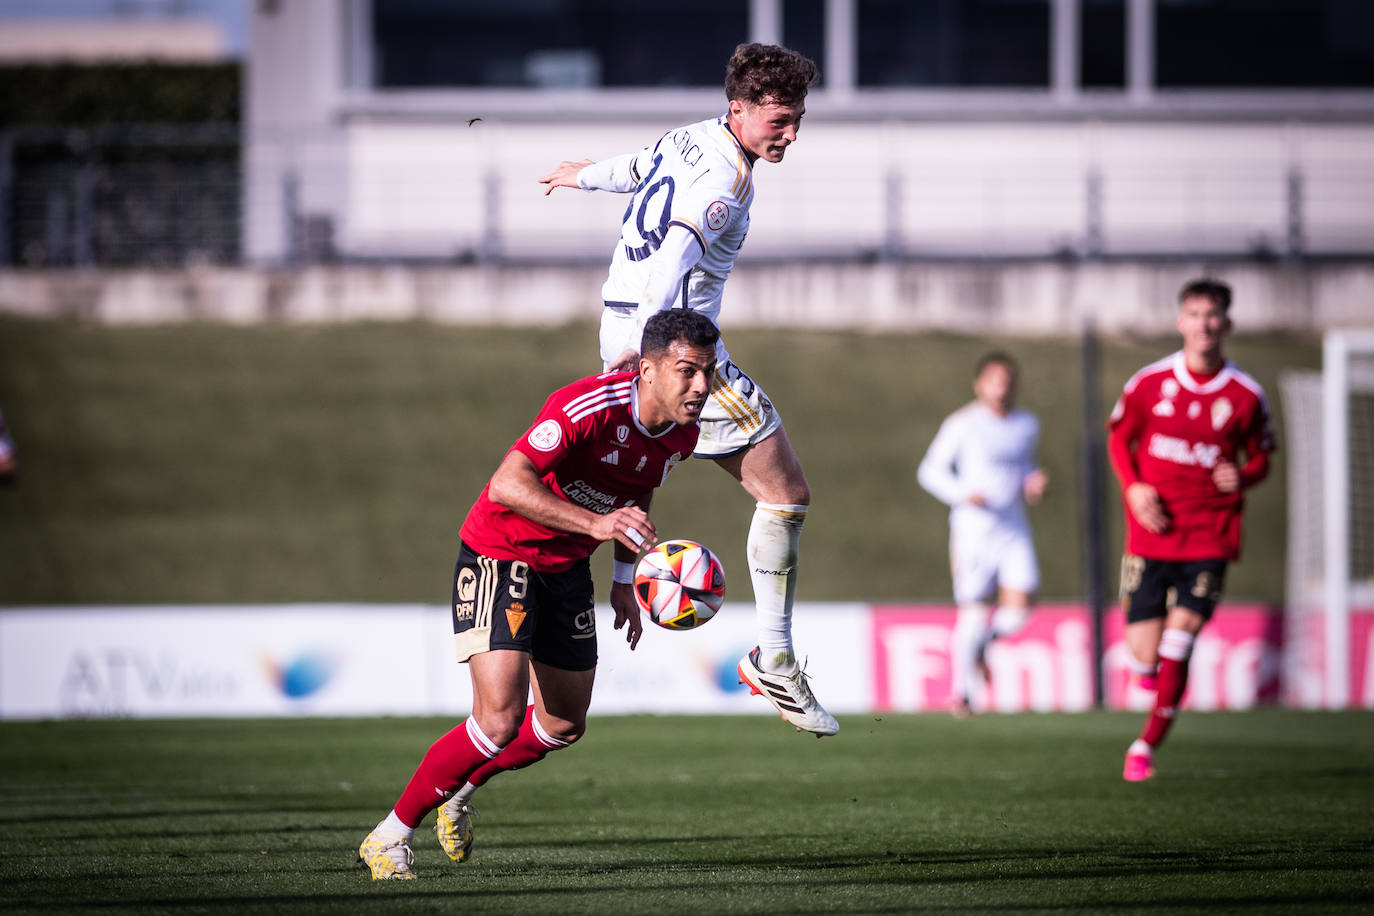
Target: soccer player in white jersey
{"x":982,"y":465}
{"x":686,"y":220}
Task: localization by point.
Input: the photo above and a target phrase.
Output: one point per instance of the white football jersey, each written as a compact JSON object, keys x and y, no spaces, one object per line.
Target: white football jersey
{"x":977,"y":452}
{"x":685,"y":222}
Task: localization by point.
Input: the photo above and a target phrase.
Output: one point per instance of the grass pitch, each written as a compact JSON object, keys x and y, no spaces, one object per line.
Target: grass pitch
{"x":1267,"y":812}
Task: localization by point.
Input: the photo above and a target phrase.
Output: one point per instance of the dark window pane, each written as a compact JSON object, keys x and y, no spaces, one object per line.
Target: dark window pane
{"x":1264,"y":43}
{"x":954,"y":42}
{"x":1102,"y":49}
{"x":534,"y":43}
{"x":803,"y":29}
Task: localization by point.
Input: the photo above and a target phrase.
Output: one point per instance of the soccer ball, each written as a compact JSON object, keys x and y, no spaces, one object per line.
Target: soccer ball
{"x":679,"y":584}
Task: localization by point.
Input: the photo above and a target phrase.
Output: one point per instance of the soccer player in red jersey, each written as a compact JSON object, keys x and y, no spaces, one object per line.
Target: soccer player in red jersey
{"x":1188,"y":436}
{"x":523,"y":603}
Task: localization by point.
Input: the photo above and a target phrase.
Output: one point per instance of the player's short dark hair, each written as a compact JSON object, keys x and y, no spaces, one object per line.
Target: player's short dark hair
{"x":996,"y":358}
{"x":1215,"y":290}
{"x":672,"y":325}
{"x":758,"y":72}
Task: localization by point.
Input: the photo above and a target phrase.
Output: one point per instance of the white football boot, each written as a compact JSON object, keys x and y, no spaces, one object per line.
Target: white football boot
{"x":790,"y":695}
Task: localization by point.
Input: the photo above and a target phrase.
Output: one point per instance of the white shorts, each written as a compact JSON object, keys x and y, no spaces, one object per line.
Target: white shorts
{"x":984,"y":559}
{"x":738,"y":414}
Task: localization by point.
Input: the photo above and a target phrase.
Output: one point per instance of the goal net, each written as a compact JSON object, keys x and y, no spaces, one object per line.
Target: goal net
{"x":1329,"y":438}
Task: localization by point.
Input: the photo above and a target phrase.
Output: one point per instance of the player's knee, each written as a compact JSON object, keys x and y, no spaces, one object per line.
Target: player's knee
{"x":1176,"y":645}
{"x":1009,"y":620}
{"x":502,"y":728}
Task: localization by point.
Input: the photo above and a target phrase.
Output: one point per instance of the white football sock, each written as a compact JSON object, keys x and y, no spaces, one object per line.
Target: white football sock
{"x":465,"y":794}
{"x":774,"y":535}
{"x":965,"y":640}
{"x":392,"y":825}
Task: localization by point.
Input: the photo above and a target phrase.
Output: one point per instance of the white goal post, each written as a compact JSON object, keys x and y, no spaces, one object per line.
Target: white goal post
{"x":1330,"y":436}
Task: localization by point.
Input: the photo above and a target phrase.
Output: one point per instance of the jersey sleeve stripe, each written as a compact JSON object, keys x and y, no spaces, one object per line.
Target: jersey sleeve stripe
{"x":597,"y":399}
{"x":692,"y":228}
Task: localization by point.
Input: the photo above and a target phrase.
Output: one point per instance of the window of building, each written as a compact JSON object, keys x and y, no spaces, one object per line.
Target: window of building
{"x":1102,"y":44}
{"x":1264,"y":43}
{"x":803,"y":30}
{"x":949,"y":43}
{"x":554,"y":43}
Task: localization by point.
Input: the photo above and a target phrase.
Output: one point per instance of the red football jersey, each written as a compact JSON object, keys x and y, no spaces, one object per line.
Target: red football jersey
{"x":1171,"y":429}
{"x":590,"y":449}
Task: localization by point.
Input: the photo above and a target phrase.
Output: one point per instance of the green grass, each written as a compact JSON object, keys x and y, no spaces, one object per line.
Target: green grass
{"x":200,"y":463}
{"x":1266,"y":812}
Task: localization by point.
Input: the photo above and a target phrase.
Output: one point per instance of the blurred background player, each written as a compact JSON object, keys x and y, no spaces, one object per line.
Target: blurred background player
{"x":981,"y":464}
{"x":1177,"y":437}
{"x":523,"y":602}
{"x":682,"y":229}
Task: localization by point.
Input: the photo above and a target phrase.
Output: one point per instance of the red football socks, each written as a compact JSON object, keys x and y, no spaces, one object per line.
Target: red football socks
{"x":1173,"y":679}
{"x":447,"y":765}
{"x":530,"y":746}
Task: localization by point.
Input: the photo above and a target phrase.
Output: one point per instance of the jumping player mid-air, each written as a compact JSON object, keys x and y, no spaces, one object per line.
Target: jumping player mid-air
{"x":687,"y":217}
{"x":982,"y":465}
{"x":1189,"y":435}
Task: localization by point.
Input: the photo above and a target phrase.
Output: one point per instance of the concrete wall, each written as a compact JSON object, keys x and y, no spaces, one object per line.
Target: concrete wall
{"x":1024,"y":297}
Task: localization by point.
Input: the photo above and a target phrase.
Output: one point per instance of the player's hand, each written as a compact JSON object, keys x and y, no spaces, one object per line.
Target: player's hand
{"x":629,"y":526}
{"x":627,"y":612}
{"x":1226,"y":476}
{"x":1147,"y":508}
{"x":565,"y":176}
{"x":979,"y":500}
{"x":1034,"y":486}
{"x":627,"y":361}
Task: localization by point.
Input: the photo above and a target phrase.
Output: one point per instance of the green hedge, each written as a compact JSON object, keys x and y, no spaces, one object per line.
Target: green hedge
{"x":145,"y":93}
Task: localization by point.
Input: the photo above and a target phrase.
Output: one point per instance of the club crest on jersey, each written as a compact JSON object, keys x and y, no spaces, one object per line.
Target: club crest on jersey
{"x":622,"y":434}
{"x":1169,"y":388}
{"x":546,"y":436}
{"x":1221,"y":412}
{"x":673,"y":461}
{"x":717,"y":215}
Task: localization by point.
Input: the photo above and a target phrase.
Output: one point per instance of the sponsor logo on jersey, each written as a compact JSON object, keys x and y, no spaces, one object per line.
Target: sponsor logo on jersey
{"x":1169,"y":388}
{"x":612,"y":458}
{"x":546,"y":436}
{"x":1221,"y":412}
{"x":717,"y":215}
{"x":464,"y":610}
{"x":1180,"y":451}
{"x":1164,"y":409}
{"x":588,"y":496}
{"x":1194,"y":409}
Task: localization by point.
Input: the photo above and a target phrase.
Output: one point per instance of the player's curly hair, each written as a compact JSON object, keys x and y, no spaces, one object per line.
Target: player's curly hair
{"x":671,"y":325}
{"x":758,"y":73}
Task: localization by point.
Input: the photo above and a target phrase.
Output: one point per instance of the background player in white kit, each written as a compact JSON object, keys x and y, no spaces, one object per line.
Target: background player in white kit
{"x":685,"y":223}
{"x":982,"y":465}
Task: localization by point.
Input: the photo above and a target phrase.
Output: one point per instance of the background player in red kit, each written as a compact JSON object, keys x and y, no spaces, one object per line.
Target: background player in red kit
{"x":1189,"y":434}
{"x":523,"y":600}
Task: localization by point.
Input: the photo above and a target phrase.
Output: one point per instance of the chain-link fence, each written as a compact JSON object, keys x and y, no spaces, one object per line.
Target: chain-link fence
{"x":119,"y":196}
